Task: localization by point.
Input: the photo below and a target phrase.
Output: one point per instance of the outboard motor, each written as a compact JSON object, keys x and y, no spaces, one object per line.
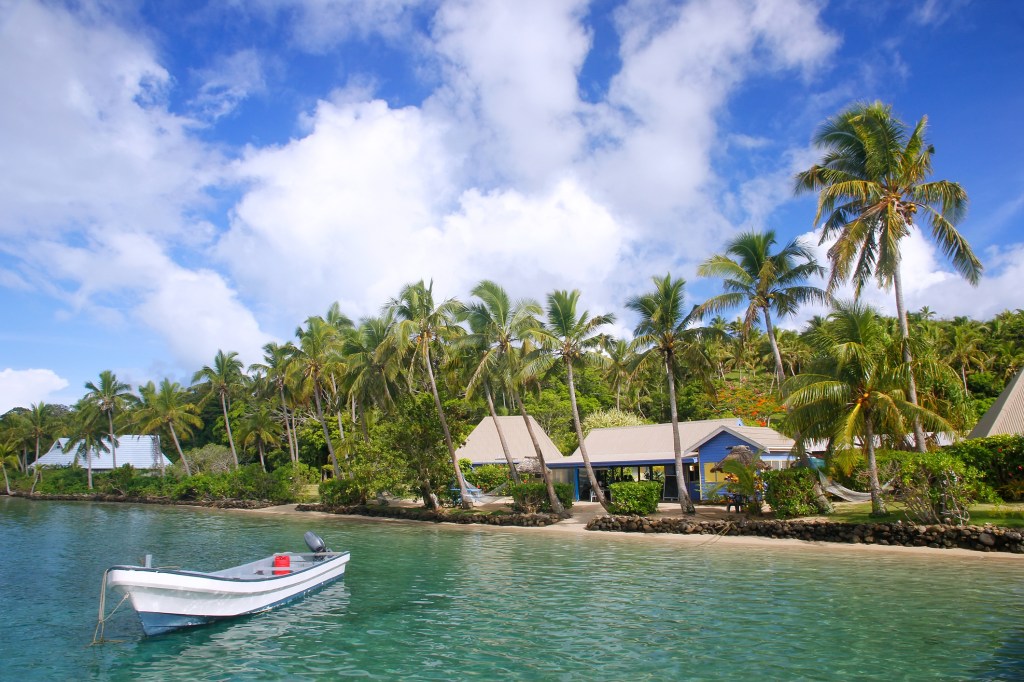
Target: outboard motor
{"x":315,"y":543}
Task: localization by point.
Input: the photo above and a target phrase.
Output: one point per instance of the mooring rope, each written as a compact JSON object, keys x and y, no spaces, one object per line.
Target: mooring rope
{"x":97,"y":635}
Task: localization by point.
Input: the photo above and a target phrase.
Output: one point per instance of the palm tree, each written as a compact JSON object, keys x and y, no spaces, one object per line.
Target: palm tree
{"x":498,"y":323}
{"x":871,"y":183}
{"x":372,"y":365}
{"x":8,"y":457}
{"x":421,"y":323}
{"x":764,"y":281}
{"x":221,"y":380}
{"x":964,"y":350}
{"x":278,"y":370}
{"x":109,"y":396}
{"x":621,"y":368}
{"x":316,"y":360}
{"x":168,"y":408}
{"x":87,"y":434}
{"x":36,"y":424}
{"x":664,"y":330}
{"x":855,"y":389}
{"x":259,"y":428}
{"x":570,"y":336}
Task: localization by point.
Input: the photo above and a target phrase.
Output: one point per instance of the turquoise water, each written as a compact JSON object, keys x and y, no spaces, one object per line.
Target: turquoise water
{"x":449,"y":603}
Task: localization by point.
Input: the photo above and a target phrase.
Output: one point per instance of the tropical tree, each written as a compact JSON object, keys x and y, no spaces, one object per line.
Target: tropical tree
{"x":222,"y":379}
{"x":168,"y":408}
{"x":278,"y":370}
{"x":569,"y":337}
{"x":109,"y":396}
{"x":317,"y":359}
{"x":35,"y":424}
{"x":497,"y":324}
{"x":372,"y":365}
{"x":855,"y":391}
{"x":421,"y":325}
{"x":665,"y":333}
{"x":8,"y":457}
{"x":621,"y":368}
{"x":260,"y":429}
{"x":87,"y":434}
{"x":871,"y":183}
{"x":766,"y":282}
{"x":964,"y":350}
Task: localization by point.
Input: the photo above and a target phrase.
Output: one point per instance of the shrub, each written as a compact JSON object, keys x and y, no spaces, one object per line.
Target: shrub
{"x":67,"y":480}
{"x":487,"y":477}
{"x":1000,"y":459}
{"x":790,"y":492}
{"x":935,"y":487}
{"x":201,"y":487}
{"x":339,"y":492}
{"x":251,"y":482}
{"x":635,"y":497}
{"x":532,"y":496}
{"x":293,"y":477}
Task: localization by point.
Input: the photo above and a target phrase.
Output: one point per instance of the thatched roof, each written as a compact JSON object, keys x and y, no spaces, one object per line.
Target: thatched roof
{"x":742,"y":454}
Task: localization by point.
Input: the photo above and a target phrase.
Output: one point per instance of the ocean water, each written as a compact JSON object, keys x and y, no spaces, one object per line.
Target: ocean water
{"x":432,"y":602}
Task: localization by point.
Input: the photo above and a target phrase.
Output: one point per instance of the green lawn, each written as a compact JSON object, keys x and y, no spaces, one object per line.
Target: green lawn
{"x":1010,"y":514}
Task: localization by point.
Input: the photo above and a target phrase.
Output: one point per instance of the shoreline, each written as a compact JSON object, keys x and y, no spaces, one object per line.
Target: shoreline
{"x":584,"y":512}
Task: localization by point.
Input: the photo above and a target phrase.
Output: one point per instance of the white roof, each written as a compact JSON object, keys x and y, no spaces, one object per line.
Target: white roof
{"x":653,"y":442}
{"x":484,"y":447}
{"x":1006,"y":415}
{"x":139,"y":451}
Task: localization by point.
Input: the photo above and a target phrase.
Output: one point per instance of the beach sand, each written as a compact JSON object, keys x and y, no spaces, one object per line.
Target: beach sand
{"x":583,"y":512}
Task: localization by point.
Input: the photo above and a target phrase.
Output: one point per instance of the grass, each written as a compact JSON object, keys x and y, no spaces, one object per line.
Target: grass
{"x":1008,"y":514}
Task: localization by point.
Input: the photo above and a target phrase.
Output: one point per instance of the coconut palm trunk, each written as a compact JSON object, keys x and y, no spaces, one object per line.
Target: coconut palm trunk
{"x":323,"y":425}
{"x":877,"y":502}
{"x":113,"y":441}
{"x":501,"y":435}
{"x":594,"y":485}
{"x":685,"y":503}
{"x":908,"y":359}
{"x":549,"y":485}
{"x":467,"y":503}
{"x":181,"y":455}
{"x":780,"y":372}
{"x":227,"y":427}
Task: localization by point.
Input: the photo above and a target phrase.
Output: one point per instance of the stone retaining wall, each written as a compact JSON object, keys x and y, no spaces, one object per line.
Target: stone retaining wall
{"x":981,"y":538}
{"x":442,"y":516}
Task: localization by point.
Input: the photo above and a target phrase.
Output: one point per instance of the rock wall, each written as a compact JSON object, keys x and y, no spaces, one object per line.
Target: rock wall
{"x":442,"y":516}
{"x":980,"y":538}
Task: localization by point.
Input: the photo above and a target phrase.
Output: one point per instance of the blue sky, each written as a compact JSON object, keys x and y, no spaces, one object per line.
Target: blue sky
{"x":180,"y":177}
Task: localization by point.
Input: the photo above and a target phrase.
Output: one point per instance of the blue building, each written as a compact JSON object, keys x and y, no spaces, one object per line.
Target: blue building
{"x":642,"y":453}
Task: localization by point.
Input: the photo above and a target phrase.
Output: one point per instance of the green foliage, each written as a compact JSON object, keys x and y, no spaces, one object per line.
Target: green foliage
{"x":748,"y":483}
{"x":635,"y":497}
{"x":203,"y":487}
{"x":1000,"y":459}
{"x":340,"y":492}
{"x":209,"y":459}
{"x":251,"y":482}
{"x":69,"y":480}
{"x":532,"y":496}
{"x":935,"y":487}
{"x":790,"y":492}
{"x":752,"y":399}
{"x":487,"y":477}
{"x":612,"y":417}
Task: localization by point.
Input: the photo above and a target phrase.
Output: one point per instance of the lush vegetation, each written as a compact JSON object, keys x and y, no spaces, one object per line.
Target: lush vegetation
{"x":635,"y":497}
{"x":380,"y":405}
{"x":790,"y":492}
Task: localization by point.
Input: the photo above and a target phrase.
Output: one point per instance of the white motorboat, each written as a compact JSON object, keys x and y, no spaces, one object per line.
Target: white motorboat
{"x":169,"y":599}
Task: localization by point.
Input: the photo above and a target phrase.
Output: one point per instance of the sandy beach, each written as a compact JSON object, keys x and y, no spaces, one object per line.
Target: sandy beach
{"x":584,"y":512}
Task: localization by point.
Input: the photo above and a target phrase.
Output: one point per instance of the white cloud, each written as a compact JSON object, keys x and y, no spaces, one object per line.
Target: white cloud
{"x":229,"y":81}
{"x":318,"y":25}
{"x":23,"y":387}
{"x":87,"y":139}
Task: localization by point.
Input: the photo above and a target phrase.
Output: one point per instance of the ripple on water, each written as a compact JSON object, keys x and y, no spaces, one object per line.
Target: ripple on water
{"x":427,"y":602}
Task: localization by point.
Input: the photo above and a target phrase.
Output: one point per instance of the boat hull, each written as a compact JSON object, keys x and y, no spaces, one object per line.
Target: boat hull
{"x":169,"y":600}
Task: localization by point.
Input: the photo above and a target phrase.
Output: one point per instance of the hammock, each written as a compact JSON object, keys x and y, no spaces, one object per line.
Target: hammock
{"x":845,"y":493}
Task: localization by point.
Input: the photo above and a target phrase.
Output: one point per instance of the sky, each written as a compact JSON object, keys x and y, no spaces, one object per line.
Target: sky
{"x":179,"y":177}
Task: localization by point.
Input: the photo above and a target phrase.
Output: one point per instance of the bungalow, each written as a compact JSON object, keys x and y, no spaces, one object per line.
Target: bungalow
{"x":1006,"y":415}
{"x":142,"y":452}
{"x":484,"y":447}
{"x":646,"y":453}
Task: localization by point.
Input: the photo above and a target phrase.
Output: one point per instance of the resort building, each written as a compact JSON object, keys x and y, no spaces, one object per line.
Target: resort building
{"x":642,"y":453}
{"x":1006,"y":416}
{"x":484,"y":447}
{"x":142,"y":452}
